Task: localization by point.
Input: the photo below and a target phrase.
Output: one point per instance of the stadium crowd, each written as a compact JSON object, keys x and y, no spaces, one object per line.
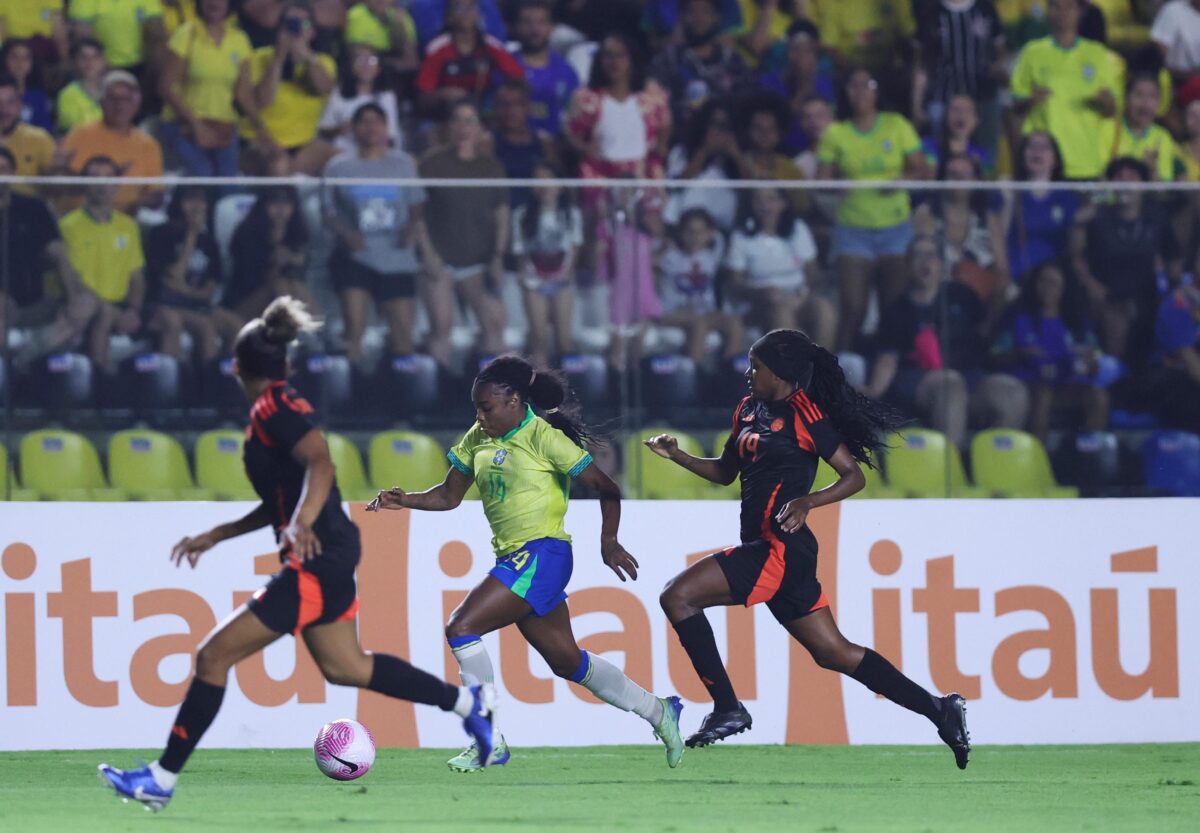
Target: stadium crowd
{"x":969,"y":309}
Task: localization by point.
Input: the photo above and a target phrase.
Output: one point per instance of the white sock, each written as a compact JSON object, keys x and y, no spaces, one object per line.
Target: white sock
{"x":611,"y":685}
{"x":162,"y":777}
{"x":465,"y":702}
{"x":474,"y":664}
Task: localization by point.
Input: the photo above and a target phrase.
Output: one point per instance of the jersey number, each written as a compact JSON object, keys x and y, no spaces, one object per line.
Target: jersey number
{"x":748,"y":445}
{"x":496,"y":488}
{"x":518,"y":560}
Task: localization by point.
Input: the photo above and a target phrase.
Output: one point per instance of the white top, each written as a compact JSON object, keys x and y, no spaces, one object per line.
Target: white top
{"x":770,"y":261}
{"x":689,"y":279}
{"x":339,"y":111}
{"x":1177,"y":27}
{"x":720,"y":203}
{"x":621,"y":131}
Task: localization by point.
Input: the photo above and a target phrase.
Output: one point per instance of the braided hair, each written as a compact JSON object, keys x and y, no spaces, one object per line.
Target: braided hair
{"x":261,"y":348}
{"x":862,"y":422}
{"x":545,"y":390}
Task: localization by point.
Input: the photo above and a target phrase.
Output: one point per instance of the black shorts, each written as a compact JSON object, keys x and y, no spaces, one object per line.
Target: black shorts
{"x":782,"y":574}
{"x":348,"y":273}
{"x":295,"y":599}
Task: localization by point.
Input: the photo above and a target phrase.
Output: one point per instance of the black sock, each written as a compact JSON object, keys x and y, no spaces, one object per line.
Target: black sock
{"x":697,"y":638}
{"x":196,"y":714}
{"x":396,"y":678}
{"x":879,"y":675}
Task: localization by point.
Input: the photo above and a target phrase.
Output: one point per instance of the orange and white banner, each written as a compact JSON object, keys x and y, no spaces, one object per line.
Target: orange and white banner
{"x":1060,"y":621}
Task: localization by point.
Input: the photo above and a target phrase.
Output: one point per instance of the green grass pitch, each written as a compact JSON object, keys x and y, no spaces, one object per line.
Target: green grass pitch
{"x":1154,"y":788}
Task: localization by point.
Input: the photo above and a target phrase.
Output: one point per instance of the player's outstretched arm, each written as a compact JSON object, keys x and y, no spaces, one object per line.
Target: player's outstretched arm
{"x":445,"y":496}
{"x":194,"y":546}
{"x":615,"y":556}
{"x":721,"y":470}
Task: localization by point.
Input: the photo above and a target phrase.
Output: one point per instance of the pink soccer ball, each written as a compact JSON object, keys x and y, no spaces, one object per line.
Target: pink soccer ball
{"x":344,"y":750}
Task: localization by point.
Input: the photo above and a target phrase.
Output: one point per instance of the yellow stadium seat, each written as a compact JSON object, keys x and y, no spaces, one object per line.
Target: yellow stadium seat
{"x":63,"y":465}
{"x":1011,"y":463}
{"x":151,"y":466}
{"x":415,"y":462}
{"x":650,"y":477}
{"x":219,"y":465}
{"x":922,"y":463}
{"x":875,"y":489}
{"x":351,"y":476}
{"x":17,"y":492}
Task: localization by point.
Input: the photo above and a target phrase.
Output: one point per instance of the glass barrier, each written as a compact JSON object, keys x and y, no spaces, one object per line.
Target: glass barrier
{"x":1028,"y":339}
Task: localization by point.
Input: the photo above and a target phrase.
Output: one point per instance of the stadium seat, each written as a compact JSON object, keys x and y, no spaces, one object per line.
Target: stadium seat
{"x":325,"y":381}
{"x":1010,"y":463}
{"x":413,"y":461}
{"x":588,"y":377}
{"x":63,"y":465}
{"x":63,"y":381}
{"x":17,"y":492}
{"x":728,"y":384}
{"x":219,"y":389}
{"x":219,"y":465}
{"x":875,"y":489}
{"x":152,"y":381}
{"x":1171,"y":463}
{"x":408,"y":387}
{"x":351,"y":477}
{"x":921,"y":463}
{"x":670,"y":387}
{"x":151,"y":466}
{"x":650,"y":477}
{"x":1094,"y":459}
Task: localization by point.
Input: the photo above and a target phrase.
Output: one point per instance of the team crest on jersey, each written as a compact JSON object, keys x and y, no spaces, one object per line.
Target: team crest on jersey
{"x":498,"y":460}
{"x":748,"y":417}
{"x":777,"y":425}
{"x":887,"y":145}
{"x":1089,"y":72}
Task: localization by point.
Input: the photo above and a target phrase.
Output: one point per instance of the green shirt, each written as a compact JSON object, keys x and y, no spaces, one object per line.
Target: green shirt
{"x":362,"y":26}
{"x":76,"y":107}
{"x":118,"y":25}
{"x":523,"y":478}
{"x":878,"y":153}
{"x":1155,"y":147}
{"x":1074,"y":77}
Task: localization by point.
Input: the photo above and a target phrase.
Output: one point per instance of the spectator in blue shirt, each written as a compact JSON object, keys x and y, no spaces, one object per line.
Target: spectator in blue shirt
{"x":550,"y":78}
{"x":806,"y":75}
{"x":429,"y":16}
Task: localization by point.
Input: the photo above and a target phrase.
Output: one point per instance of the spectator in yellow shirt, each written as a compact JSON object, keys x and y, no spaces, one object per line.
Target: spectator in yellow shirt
{"x":79,"y":101}
{"x":383,"y":26}
{"x":105,"y":248}
{"x":1138,"y":136}
{"x":40,"y":22}
{"x":31,"y":147}
{"x":1189,"y":148}
{"x":133,"y":36}
{"x":291,"y":85}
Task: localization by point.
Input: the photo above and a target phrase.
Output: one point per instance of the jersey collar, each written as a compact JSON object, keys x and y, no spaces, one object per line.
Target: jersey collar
{"x":524,"y":422}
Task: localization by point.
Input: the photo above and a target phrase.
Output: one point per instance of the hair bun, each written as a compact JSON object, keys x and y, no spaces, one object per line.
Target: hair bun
{"x":285,"y":318}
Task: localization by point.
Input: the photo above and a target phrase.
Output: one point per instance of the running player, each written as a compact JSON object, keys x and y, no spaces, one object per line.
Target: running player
{"x":523,"y":464}
{"x":314,"y":596}
{"x":800,"y":408}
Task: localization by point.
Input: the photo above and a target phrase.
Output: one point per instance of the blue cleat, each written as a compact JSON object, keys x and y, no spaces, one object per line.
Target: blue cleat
{"x":138,"y":785}
{"x":478,"y":724}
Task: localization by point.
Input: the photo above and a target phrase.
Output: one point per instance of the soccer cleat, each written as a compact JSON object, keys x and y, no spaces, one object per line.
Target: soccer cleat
{"x":138,"y":785}
{"x":469,"y":759}
{"x":720,"y":725}
{"x":667,"y":729}
{"x":478,"y":724}
{"x":952,"y":728}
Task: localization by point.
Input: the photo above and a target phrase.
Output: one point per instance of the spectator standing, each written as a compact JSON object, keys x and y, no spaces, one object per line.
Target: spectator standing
{"x":268,"y":253}
{"x":132,"y":33}
{"x":517,"y":144}
{"x":546,"y":237}
{"x":1176,"y":33}
{"x":765,"y":120}
{"x":931,"y":358}
{"x":379,"y":229}
{"x":959,"y":127}
{"x":871,"y":33}
{"x":291,"y":84}
{"x":626,"y":242}
{"x":40,"y":22}
{"x":807,"y":75}
{"x":773,"y":260}
{"x":710,"y":152}
{"x":765,"y":23}
{"x":18,"y":62}
{"x":815,"y":117}
{"x":34,"y":244}
{"x":176,"y":13}
{"x":874,"y":227}
{"x":552,"y":81}
{"x":388,"y":29}
{"x":1067,"y":86}
{"x":105,"y":248}
{"x":701,"y":68}
{"x":1137,"y":135}
{"x":430,"y":18}
{"x":79,"y":101}
{"x":464,"y":62}
{"x":468,"y":229}
{"x":962,"y":53}
{"x":184,"y":279}
{"x":31,"y":147}
{"x":207,"y":70}
{"x":361,"y":80}
{"x":115,"y":136}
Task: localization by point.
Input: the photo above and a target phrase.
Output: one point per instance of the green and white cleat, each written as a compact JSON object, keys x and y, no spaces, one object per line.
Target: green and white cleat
{"x":667,"y":730}
{"x":469,"y":761}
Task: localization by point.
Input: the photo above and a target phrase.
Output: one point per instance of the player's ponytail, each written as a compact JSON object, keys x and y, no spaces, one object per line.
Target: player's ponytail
{"x":862,"y":422}
{"x":545,"y":390}
{"x":262,"y":345}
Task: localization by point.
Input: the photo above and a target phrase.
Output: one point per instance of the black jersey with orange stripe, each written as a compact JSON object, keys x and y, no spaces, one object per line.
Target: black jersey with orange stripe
{"x":279,"y":419}
{"x":777,"y":446}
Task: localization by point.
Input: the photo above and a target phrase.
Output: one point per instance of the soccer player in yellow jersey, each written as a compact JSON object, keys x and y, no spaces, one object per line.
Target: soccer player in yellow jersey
{"x":1069,"y":86}
{"x":523,"y":465}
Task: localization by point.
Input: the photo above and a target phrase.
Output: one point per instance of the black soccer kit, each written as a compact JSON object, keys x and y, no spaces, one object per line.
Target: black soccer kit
{"x":323,"y":589}
{"x":777,"y":446}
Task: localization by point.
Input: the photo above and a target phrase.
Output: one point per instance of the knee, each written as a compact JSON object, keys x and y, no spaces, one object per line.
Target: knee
{"x":211,"y":666}
{"x":458,"y":626}
{"x":564,"y":665}
{"x":675,"y":603}
{"x":348,"y":672}
{"x":834,"y":657}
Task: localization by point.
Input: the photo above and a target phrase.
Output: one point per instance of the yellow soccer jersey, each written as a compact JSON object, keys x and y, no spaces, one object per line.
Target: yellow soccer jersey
{"x":1074,"y":76}
{"x":29,"y":18}
{"x":877,"y":154}
{"x":104,"y":254}
{"x":864,"y":31}
{"x":523,"y":478}
{"x":363,"y":27}
{"x":118,"y":25}
{"x":1155,"y":147}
